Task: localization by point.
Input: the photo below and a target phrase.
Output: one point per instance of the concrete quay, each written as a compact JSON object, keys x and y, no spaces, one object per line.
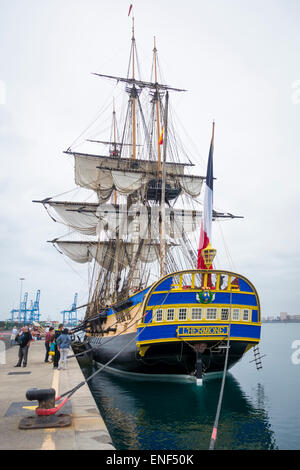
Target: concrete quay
{"x":87,"y":431}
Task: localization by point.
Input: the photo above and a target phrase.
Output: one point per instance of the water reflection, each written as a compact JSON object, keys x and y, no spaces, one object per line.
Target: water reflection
{"x":171,"y":416}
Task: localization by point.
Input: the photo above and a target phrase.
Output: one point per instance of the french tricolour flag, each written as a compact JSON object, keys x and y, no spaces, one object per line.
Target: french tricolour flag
{"x":205,"y":236}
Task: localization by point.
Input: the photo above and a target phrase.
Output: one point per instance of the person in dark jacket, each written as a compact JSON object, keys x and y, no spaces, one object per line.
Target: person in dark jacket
{"x":24,"y":341}
{"x":57,"y":333}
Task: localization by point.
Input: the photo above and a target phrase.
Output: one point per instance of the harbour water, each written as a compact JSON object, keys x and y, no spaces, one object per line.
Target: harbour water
{"x":260,"y":410}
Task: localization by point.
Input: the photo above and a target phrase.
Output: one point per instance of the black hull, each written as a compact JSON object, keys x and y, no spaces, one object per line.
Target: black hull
{"x":171,"y":358}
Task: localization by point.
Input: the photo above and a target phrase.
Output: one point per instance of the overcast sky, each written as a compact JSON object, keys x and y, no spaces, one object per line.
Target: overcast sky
{"x":239,"y":61}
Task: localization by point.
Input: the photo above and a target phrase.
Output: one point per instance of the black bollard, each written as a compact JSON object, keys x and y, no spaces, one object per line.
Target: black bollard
{"x":46,"y":400}
{"x":45,"y":397}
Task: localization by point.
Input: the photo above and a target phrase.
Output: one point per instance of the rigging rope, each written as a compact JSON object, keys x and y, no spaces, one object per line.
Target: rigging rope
{"x":102,"y":110}
{"x":230,"y":260}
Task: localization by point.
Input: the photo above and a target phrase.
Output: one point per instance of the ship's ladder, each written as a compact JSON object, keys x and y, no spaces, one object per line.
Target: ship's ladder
{"x":257,"y":357}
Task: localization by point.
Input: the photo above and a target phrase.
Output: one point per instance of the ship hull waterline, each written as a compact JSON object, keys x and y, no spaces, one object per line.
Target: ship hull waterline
{"x":171,"y":361}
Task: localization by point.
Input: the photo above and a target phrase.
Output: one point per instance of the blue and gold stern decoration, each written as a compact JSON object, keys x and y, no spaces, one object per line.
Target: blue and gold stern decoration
{"x":205,"y":296}
{"x":202,"y":331}
{"x":200,"y":305}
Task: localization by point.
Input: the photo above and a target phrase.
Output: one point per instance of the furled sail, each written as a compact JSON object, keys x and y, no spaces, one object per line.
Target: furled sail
{"x":104,"y":174}
{"x":191,"y":185}
{"x":92,"y":218}
{"x":116,"y":220}
{"x":127,"y":182}
{"x":104,"y":252}
{"x":80,"y":217}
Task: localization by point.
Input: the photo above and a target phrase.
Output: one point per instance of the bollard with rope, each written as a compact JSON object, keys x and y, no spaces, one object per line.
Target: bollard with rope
{"x":46,"y":411}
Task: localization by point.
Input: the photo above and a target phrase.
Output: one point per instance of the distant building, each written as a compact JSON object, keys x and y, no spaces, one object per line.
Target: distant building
{"x":294,"y":317}
{"x":283,"y":316}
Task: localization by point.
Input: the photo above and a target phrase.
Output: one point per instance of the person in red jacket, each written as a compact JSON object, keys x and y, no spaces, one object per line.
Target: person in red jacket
{"x":47,"y":342}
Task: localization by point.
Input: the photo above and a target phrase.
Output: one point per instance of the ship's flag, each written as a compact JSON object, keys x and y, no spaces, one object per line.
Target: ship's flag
{"x":161,"y":138}
{"x":130,"y":8}
{"x":205,"y":235}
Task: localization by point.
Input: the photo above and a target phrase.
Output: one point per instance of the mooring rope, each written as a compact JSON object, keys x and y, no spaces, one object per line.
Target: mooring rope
{"x":216,"y":423}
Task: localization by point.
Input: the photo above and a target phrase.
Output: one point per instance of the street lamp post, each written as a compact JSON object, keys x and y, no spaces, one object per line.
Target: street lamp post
{"x":21,"y":288}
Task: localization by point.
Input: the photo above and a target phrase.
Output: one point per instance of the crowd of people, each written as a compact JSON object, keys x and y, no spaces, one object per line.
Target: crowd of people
{"x":57,"y":344}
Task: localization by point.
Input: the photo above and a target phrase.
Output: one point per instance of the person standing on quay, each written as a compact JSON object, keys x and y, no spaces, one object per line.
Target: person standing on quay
{"x":24,"y":342}
{"x":63,"y":344}
{"x":13,"y":336}
{"x":52,"y":348}
{"x":48,"y":337}
{"x":57,"y":333}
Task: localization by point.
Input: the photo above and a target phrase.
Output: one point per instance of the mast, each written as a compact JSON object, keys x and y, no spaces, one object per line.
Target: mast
{"x":134,"y":274}
{"x":114,"y":128}
{"x":133,"y":95}
{"x":116,"y":263}
{"x":156,"y":97}
{"x":163,"y":257}
{"x":115,"y":142}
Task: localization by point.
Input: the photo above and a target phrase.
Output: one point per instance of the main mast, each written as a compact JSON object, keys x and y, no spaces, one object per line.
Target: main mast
{"x":134,"y":274}
{"x":161,"y":166}
{"x":133,"y":94}
{"x":163,"y":252}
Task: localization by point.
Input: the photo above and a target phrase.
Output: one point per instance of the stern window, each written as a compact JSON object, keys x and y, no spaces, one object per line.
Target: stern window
{"x":246,"y":315}
{"x":236,"y":314}
{"x":224,"y":313}
{"x":159,"y":315}
{"x":196,"y":313}
{"x":170,"y":314}
{"x":211,"y":314}
{"x":182,"y":314}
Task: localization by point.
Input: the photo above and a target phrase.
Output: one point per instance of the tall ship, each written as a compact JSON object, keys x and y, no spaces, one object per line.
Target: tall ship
{"x":158,"y":306}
